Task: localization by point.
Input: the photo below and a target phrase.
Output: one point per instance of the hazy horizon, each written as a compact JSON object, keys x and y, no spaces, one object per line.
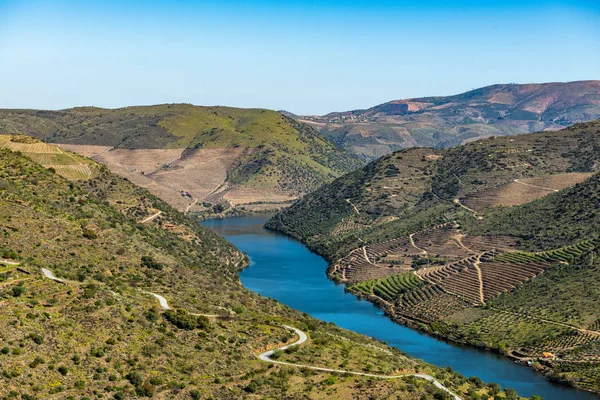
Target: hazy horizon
{"x":303,"y":57}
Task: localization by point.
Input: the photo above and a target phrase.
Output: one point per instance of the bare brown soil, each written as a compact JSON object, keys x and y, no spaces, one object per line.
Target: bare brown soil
{"x":522,"y":191}
{"x":170,"y":173}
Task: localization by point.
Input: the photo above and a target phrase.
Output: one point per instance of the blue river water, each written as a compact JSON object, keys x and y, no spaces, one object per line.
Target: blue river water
{"x":284,"y":269}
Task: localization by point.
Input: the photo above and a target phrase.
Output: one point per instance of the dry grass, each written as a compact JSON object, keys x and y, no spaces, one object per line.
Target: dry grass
{"x":521,"y":192}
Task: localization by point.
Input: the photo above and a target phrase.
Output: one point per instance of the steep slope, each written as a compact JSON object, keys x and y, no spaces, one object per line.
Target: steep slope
{"x":415,"y":187}
{"x":195,"y":157}
{"x":398,"y":233}
{"x":80,"y":262}
{"x":497,"y":110}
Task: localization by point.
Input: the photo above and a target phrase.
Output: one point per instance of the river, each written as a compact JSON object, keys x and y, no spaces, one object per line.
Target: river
{"x":284,"y":269}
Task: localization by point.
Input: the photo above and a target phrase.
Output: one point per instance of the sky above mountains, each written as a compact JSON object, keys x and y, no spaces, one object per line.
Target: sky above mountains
{"x":308,"y":57}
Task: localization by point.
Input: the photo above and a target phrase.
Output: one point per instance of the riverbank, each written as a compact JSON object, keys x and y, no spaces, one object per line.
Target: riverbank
{"x":284,"y":269}
{"x":242,"y":211}
{"x":554,"y":368}
{"x":543,"y":366}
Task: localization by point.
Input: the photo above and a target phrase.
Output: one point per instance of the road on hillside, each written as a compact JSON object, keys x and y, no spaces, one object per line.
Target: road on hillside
{"x":303,"y":337}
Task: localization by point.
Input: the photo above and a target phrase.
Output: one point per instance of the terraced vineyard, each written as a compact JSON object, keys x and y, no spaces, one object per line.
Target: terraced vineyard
{"x":387,"y":288}
{"x":490,"y":266}
{"x":441,"y":244}
{"x":66,"y":164}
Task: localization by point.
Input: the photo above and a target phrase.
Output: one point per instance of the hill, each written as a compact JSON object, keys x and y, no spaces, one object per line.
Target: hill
{"x":84,"y":262}
{"x":199,"y":159}
{"x":491,"y":243}
{"x":444,"y":121}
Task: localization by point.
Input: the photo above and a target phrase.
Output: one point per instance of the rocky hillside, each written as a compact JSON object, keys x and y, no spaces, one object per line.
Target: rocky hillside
{"x":195,"y":157}
{"x":80,"y":260}
{"x":497,"y":110}
{"x":493,"y":243}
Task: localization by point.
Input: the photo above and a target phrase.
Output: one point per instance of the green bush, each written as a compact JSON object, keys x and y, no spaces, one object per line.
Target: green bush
{"x":18,"y":291}
{"x":148,"y":262}
{"x":184,"y":320}
{"x":37,"y":338}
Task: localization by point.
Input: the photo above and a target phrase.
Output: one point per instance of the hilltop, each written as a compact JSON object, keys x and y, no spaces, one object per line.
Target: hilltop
{"x":493,"y":243}
{"x":444,"y":121}
{"x":82,"y":256}
{"x":198,"y":159}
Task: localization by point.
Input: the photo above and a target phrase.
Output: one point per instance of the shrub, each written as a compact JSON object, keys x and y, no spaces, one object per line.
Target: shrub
{"x":135,"y":378}
{"x":18,"y":291}
{"x":148,"y":262}
{"x":37,"y":338}
{"x":292,"y":349}
{"x":89,"y":234}
{"x":90,"y":291}
{"x":63,"y":370}
{"x":276,"y":354}
{"x":184,"y":320}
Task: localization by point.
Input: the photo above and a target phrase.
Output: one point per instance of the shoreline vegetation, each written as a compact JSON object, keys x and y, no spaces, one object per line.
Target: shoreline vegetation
{"x":492,"y":244}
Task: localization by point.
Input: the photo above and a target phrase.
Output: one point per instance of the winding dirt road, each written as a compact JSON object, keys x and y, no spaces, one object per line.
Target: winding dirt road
{"x":412,"y":242}
{"x":303,"y":337}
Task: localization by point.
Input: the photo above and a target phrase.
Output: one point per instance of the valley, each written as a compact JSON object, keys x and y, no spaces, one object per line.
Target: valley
{"x":85,"y":263}
{"x":481,"y":244}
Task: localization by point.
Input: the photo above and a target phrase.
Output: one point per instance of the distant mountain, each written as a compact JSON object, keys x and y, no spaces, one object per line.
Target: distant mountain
{"x":195,"y":157}
{"x":497,"y":110}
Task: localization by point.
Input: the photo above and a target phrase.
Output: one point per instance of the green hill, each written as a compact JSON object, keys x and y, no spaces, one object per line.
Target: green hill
{"x":493,"y":243}
{"x":443,"y":121}
{"x":215,"y":154}
{"x":415,"y":187}
{"x":96,"y":331}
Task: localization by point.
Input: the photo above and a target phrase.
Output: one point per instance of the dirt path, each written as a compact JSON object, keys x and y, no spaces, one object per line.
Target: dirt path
{"x":353,"y":206}
{"x":8,"y":262}
{"x":50,"y":275}
{"x":535,"y":186}
{"x":150,"y":218}
{"x":190,"y":206}
{"x":458,"y":239}
{"x":457,"y":202}
{"x":164,"y":304}
{"x":303,"y":337}
{"x":366,"y":256}
{"x":480,"y":277}
{"x":412,"y":242}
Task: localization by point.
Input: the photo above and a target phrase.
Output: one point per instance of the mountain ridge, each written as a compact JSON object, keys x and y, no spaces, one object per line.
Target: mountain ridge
{"x":443,"y":121}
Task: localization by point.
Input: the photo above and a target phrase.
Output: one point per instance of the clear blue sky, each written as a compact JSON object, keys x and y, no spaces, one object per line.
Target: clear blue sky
{"x":308,"y":57}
